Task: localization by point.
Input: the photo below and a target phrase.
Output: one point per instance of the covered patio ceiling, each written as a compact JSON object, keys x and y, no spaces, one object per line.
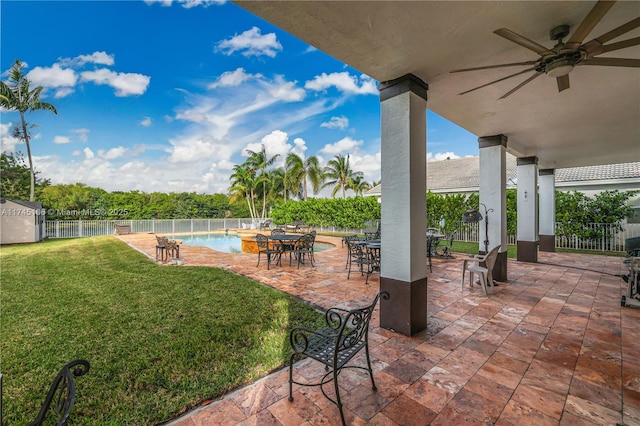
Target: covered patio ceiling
{"x":596,"y":121}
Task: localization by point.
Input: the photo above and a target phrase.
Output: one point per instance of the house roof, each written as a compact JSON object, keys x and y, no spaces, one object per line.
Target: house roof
{"x":462,"y":174}
{"x":30,"y":204}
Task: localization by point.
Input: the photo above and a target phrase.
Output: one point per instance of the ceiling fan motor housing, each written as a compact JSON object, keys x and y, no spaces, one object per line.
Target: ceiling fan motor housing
{"x":559,"y":32}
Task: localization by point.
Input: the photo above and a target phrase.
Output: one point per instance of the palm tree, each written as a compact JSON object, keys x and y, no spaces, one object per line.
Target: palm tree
{"x":16,"y":96}
{"x":276,"y":183}
{"x":299,"y":171}
{"x":340,"y":174}
{"x":243,"y":185}
{"x":260,"y":161}
{"x":358,"y":184}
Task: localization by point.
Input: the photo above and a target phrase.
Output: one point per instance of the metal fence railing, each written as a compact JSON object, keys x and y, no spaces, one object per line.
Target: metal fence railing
{"x":608,"y":238}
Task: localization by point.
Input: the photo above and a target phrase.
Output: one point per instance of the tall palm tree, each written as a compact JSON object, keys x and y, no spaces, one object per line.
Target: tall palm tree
{"x":277,"y":187}
{"x":339,"y":173}
{"x":260,"y":161}
{"x":16,"y":96}
{"x":243,"y":186}
{"x":358,"y":184}
{"x":300,"y":171}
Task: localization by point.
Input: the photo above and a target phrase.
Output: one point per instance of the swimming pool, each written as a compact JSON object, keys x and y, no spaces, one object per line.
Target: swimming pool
{"x":227,"y":243}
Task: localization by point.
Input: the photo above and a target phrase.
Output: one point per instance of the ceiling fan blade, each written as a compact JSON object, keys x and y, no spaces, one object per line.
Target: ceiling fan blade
{"x":527,"y":81}
{"x":563,"y":82}
{"x":514,"y":64}
{"x":617,"y":32}
{"x":612,"y":62}
{"x":496,"y":81}
{"x":588,"y":23}
{"x":523,"y":41}
{"x":621,"y":44}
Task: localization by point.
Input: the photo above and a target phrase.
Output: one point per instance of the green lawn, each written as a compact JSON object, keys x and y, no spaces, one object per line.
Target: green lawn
{"x":160,"y":339}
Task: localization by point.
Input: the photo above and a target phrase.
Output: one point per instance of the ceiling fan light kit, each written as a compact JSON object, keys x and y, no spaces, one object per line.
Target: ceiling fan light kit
{"x":560,"y":60}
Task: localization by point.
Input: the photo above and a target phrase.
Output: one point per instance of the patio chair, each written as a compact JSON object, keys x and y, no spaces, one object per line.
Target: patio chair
{"x":302,"y":248}
{"x":265,"y":224}
{"x":282,"y":246}
{"x":161,"y":247}
{"x":62,"y":395}
{"x":264,"y":247}
{"x":448,"y":243}
{"x":366,"y":260}
{"x":122,"y":229}
{"x":345,"y":335}
{"x":473,"y":266}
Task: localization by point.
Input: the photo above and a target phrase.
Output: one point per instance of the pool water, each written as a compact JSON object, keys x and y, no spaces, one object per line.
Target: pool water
{"x":227,"y":243}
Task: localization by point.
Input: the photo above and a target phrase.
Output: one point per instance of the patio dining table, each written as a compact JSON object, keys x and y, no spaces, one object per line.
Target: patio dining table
{"x":284,"y":242}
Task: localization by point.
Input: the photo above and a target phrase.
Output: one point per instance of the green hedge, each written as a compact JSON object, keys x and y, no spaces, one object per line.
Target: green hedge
{"x":354,"y":212}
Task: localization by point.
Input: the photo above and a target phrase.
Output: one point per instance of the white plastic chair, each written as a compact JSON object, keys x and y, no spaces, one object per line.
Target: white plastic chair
{"x":473,"y":266}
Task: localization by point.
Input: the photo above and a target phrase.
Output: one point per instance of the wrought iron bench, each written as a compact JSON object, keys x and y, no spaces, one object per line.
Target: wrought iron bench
{"x":346,"y":333}
{"x":62,"y":394}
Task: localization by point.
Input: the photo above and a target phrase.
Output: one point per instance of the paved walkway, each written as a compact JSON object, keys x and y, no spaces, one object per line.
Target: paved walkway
{"x":552,"y":346}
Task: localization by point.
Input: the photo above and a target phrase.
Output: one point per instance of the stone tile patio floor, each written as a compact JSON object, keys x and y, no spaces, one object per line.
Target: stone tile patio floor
{"x":552,"y":346}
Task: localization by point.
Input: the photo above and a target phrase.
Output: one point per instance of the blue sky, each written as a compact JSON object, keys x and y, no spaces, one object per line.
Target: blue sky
{"x":168,"y":96}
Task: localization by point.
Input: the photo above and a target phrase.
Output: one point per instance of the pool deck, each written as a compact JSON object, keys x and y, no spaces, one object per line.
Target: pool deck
{"x":552,"y":346}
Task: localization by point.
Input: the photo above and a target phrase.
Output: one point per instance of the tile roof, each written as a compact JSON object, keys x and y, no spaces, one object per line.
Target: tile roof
{"x":463,"y":173}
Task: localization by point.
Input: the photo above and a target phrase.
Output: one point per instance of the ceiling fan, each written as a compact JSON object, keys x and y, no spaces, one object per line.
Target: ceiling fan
{"x":561,"y":59}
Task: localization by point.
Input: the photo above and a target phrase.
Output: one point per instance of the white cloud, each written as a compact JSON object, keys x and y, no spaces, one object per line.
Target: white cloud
{"x":343,"y":146}
{"x":299,"y":147}
{"x":225,"y":165}
{"x":275,"y":143}
{"x":146,"y":122}
{"x":88,"y":154}
{"x":61,"y":139}
{"x":233,"y":78}
{"x":65,"y":91}
{"x":101,"y":58}
{"x":54,"y":76}
{"x":251,"y":43}
{"x":438,"y":156}
{"x":285,"y":90}
{"x":341,"y":123}
{"x":198,"y":148}
{"x":82,"y":134}
{"x":113,"y":153}
{"x":7,"y":141}
{"x":126,"y":84}
{"x":344,"y":82}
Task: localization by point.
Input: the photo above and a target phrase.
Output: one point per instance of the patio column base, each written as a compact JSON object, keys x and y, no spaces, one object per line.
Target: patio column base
{"x":500,"y":268}
{"x":528,"y":251}
{"x":405,"y":311}
{"x":548,"y":243}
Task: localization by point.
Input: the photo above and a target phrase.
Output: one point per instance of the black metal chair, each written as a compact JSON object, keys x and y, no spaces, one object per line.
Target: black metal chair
{"x":448,"y":243}
{"x":365,"y":260}
{"x":265,"y":248}
{"x":346,"y":333}
{"x":62,"y":394}
{"x":302,"y":248}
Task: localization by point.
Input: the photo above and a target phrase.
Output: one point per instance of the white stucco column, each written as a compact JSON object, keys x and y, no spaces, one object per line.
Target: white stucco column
{"x":528,"y":209}
{"x":493,"y":187}
{"x":403,"y":268}
{"x":547,"y":209}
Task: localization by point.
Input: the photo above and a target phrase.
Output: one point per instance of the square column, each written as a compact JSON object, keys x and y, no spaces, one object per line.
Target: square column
{"x":547,"y":209}
{"x":493,"y":194}
{"x":403,"y":269}
{"x":528,"y":209}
